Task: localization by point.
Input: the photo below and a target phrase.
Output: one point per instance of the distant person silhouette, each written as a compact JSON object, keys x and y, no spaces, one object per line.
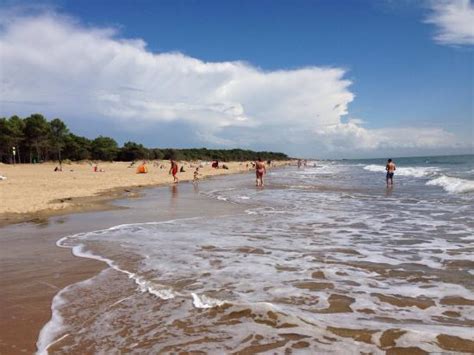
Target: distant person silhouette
{"x":174,"y":170}
{"x":260,"y":170}
{"x":390,"y":168}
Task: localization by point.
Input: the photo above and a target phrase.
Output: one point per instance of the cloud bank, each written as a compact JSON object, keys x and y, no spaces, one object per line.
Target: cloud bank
{"x":52,"y":64}
{"x":454,"y":20}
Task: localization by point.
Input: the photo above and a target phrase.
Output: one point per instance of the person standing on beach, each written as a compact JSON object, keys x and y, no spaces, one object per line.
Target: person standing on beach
{"x":174,"y":170}
{"x":196,"y":175}
{"x":390,"y":168}
{"x":260,"y":170}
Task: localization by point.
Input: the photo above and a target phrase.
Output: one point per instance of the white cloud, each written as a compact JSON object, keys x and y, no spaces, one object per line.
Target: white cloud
{"x":54,"y":65}
{"x":455,"y":21}
{"x":344,"y":136}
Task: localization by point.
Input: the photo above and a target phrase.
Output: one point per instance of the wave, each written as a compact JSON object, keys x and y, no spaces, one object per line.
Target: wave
{"x":406,"y":171}
{"x":452,"y":184}
{"x":54,"y":326}
{"x":204,"y":301}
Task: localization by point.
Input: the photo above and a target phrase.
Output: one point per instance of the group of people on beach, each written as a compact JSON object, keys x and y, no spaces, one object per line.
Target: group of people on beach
{"x":260,"y":171}
{"x":259,"y":165}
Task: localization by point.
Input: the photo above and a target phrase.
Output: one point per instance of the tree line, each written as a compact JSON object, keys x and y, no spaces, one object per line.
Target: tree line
{"x":35,"y":139}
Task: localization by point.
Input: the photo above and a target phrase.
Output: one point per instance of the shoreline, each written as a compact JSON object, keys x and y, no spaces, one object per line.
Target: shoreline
{"x":101,"y":198}
{"x":28,"y":288}
{"x":100,"y":202}
{"x":34,"y":271}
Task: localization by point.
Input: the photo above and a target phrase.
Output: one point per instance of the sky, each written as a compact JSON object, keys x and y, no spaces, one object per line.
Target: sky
{"x":315,"y":79}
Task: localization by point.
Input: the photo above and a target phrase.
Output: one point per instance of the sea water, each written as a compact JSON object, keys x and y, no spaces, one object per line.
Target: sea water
{"x":325,"y":258}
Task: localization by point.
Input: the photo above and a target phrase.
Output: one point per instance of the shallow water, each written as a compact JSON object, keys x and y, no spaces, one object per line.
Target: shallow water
{"x":324,"y":259}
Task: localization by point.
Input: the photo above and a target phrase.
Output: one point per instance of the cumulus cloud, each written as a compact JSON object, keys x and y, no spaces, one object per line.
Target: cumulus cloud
{"x":91,"y":73}
{"x":454,"y":20}
{"x":344,"y":136}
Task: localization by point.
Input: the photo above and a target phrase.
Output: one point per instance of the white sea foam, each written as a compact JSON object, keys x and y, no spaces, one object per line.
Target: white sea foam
{"x":152,"y":288}
{"x":204,"y":301}
{"x":144,"y":285}
{"x":303,"y":232}
{"x":452,"y":184}
{"x":54,"y":326}
{"x":406,"y":170}
{"x":321,"y":169}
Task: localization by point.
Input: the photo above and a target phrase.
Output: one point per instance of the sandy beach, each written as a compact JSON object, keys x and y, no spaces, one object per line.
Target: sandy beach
{"x":33,"y":268}
{"x":36,"y":191}
{"x":227,"y":266}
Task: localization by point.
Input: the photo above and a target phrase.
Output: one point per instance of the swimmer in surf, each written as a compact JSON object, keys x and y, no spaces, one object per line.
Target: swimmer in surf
{"x":260,"y":170}
{"x":390,"y":168}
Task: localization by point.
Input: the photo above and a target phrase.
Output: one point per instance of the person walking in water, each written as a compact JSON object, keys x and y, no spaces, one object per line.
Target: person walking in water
{"x":196,"y":176}
{"x":260,"y":170}
{"x":390,"y":168}
{"x":174,"y":170}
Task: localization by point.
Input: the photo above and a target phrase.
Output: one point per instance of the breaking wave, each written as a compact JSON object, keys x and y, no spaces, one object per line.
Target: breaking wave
{"x":452,"y":184}
{"x":418,"y":172}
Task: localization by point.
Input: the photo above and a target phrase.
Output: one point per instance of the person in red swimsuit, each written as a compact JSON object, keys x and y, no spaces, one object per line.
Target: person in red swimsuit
{"x":260,"y":170}
{"x":174,"y":170}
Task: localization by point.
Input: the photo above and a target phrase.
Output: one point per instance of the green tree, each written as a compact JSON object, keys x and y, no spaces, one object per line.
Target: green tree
{"x":17,"y":129}
{"x":104,"y":148}
{"x":77,"y":148}
{"x":157,"y":154}
{"x":36,"y":134}
{"x":132,"y":151}
{"x":58,"y":134}
{"x":5,"y":140}
{"x":170,"y":154}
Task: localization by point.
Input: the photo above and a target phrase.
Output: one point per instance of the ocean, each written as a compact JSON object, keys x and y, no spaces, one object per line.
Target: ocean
{"x":324,"y":259}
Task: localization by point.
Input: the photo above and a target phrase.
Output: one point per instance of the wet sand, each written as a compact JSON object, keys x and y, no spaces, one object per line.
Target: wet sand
{"x":34,"y":269}
{"x":34,"y":192}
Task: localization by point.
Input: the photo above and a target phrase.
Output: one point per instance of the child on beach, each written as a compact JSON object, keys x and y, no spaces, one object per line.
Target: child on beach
{"x":142,"y":168}
{"x":196,"y":175}
{"x":97,"y":170}
{"x":174,"y":170}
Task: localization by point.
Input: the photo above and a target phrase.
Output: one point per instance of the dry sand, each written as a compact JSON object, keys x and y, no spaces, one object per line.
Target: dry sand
{"x":36,"y":191}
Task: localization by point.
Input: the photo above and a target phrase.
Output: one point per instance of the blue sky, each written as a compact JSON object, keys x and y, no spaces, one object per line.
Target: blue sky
{"x":405,"y":77}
